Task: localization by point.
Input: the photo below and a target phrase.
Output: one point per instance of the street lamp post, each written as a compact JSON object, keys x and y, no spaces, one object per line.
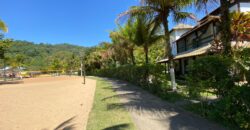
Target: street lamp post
{"x":83,"y":73}
{"x":81,"y":66}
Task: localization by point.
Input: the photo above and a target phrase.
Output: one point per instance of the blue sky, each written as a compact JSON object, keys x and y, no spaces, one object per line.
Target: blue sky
{"x":79,"y":22}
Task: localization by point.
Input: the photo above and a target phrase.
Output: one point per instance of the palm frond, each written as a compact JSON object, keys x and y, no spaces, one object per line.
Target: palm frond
{"x":135,"y":10}
{"x":182,"y":16}
{"x":3,"y":26}
{"x":205,"y":5}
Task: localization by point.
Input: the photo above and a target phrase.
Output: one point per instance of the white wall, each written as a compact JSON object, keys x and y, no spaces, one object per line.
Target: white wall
{"x":179,"y":33}
{"x":175,"y":35}
{"x":174,"y":48}
{"x":234,"y":8}
{"x":244,"y":7}
{"x":172,"y":40}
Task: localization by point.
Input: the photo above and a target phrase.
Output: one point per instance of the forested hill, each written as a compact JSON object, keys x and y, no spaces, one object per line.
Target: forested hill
{"x":44,"y":56}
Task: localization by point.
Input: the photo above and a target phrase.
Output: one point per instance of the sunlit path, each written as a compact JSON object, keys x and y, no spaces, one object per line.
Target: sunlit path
{"x":52,"y":103}
{"x":151,"y":113}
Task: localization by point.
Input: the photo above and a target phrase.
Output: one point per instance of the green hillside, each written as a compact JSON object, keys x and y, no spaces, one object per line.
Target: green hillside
{"x":44,"y":57}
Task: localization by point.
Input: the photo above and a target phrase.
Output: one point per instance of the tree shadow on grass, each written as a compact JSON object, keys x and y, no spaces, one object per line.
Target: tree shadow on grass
{"x":117,"y":96}
{"x":117,"y":127}
{"x":143,"y":104}
{"x":115,"y":106}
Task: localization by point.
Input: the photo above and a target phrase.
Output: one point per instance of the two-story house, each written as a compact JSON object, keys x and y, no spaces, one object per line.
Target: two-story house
{"x":196,"y":41}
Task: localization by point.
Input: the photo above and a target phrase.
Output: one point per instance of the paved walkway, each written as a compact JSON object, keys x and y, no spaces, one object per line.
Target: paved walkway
{"x":152,"y":113}
{"x":52,"y":103}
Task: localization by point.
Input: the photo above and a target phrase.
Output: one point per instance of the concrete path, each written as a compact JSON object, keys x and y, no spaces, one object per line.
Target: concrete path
{"x":152,"y":113}
{"x":52,"y":103}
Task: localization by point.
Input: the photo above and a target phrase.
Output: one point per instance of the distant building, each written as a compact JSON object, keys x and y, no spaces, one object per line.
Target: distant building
{"x":189,"y":42}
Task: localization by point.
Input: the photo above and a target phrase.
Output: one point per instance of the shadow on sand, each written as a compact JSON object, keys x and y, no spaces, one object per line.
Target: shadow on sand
{"x":11,"y":82}
{"x":117,"y":127}
{"x":67,"y":125}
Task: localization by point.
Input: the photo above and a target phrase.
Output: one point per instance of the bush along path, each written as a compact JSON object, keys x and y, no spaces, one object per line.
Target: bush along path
{"x":151,"y":113}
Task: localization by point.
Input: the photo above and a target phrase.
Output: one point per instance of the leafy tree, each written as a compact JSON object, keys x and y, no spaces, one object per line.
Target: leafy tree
{"x":56,"y":65}
{"x":4,"y":47}
{"x":18,"y":61}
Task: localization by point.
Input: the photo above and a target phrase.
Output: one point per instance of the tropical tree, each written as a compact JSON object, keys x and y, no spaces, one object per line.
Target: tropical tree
{"x":17,"y":61}
{"x":205,"y":4}
{"x":240,"y":26}
{"x":56,"y":65}
{"x":106,"y":54}
{"x":161,"y":10}
{"x":122,"y":54}
{"x":225,"y":26}
{"x":3,"y":26}
{"x":101,"y":57}
{"x":73,"y":63}
{"x":147,"y":33}
{"x":125,"y":37}
{"x":4,"y":47}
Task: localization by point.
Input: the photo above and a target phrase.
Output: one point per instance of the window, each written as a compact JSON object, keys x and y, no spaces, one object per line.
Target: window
{"x":191,"y":41}
{"x":181,"y":47}
{"x":205,"y":35}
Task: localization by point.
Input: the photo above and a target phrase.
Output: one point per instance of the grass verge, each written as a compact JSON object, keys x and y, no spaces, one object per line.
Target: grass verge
{"x":103,"y":118}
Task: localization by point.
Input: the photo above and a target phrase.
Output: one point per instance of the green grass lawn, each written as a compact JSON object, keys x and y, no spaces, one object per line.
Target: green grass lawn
{"x":103,"y":118}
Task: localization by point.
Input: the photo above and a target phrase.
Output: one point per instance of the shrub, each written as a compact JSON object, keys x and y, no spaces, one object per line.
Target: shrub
{"x":150,"y":77}
{"x":243,"y":58}
{"x":211,"y":72}
{"x":222,"y":74}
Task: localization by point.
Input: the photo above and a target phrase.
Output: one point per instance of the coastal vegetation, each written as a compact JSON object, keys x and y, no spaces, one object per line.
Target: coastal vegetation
{"x":219,"y":81}
{"x":133,"y":53}
{"x":41,"y":57}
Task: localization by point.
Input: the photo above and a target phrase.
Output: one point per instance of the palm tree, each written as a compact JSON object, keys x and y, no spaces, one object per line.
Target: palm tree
{"x":162,"y":10}
{"x":146,"y":33}
{"x":225,"y":26}
{"x":205,"y":4}
{"x":3,"y":26}
{"x":125,"y":38}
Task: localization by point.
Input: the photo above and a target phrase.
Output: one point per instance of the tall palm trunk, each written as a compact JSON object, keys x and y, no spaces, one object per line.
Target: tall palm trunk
{"x":132,"y":56}
{"x":225,"y":27}
{"x":146,"y":53}
{"x":168,"y":52}
{"x":146,"y":76}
